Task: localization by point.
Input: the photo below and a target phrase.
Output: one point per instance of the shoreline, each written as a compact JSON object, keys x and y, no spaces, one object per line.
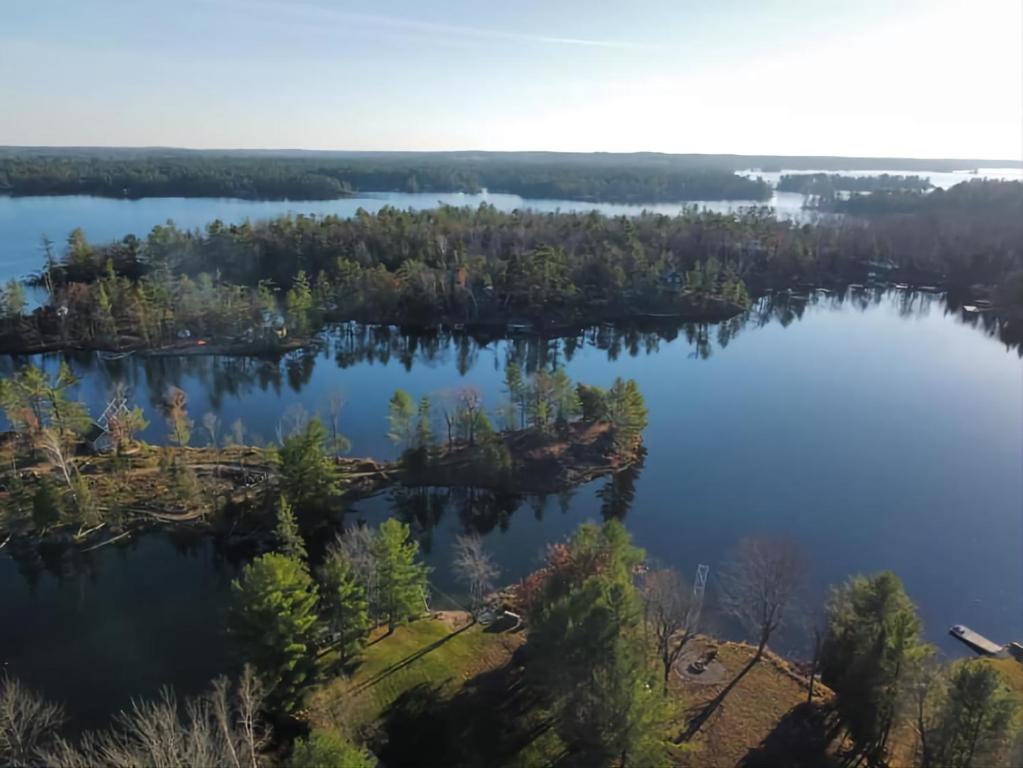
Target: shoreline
{"x":241,"y":482}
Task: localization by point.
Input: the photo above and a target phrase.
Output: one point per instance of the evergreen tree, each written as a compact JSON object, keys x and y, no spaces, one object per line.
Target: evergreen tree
{"x":46,"y":505}
{"x":586,"y":652}
{"x":299,"y":304}
{"x":564,"y":396}
{"x":974,"y":721}
{"x":343,"y":602}
{"x":871,"y":649}
{"x":401,"y":580}
{"x":592,"y":402}
{"x":627,"y":412}
{"x":289,"y":537}
{"x":32,"y":402}
{"x":14,"y":302}
{"x":273,"y":619}
{"x":424,"y":430}
{"x":516,"y":389}
{"x":401,"y":412}
{"x":309,"y":476}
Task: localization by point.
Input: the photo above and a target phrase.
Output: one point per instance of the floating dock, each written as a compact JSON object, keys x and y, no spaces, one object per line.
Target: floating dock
{"x":976,"y":641}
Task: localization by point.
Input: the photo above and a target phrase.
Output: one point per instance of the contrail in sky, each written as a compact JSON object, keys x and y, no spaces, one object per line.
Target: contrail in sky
{"x":364,"y":20}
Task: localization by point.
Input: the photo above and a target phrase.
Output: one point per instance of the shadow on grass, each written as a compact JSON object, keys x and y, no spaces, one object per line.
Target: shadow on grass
{"x":410,"y":659}
{"x":486,"y":724}
{"x":801,"y":739}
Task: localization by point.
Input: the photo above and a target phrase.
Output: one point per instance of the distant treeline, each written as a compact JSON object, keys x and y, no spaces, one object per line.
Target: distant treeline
{"x":640,"y":160}
{"x":324,"y":178}
{"x":978,"y":199}
{"x":828,"y":184}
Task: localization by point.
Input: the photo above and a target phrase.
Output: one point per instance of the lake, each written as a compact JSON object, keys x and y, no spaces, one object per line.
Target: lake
{"x":880,"y":429}
{"x":25,"y":220}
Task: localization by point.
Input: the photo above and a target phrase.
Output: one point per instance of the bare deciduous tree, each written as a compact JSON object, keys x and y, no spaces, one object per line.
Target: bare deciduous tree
{"x":757,"y":585}
{"x":356,"y":545}
{"x":338,"y":441}
{"x":211,"y":423}
{"x":294,"y":420}
{"x":27,"y":723}
{"x":238,"y":432}
{"x":475,"y":568}
{"x":667,"y":610}
{"x":470,"y":411}
{"x":56,"y":451}
{"x":221,"y":728}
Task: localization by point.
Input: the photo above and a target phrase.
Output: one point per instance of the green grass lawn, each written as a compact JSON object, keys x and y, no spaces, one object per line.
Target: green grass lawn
{"x":450,"y":693}
{"x":426,"y":653}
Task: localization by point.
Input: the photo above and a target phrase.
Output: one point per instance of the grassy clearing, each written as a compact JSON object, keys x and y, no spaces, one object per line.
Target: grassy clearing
{"x":455,"y":693}
{"x":435,"y":653}
{"x":764,"y":721}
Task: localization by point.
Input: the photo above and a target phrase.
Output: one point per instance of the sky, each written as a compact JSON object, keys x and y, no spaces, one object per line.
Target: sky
{"x":906,"y":78}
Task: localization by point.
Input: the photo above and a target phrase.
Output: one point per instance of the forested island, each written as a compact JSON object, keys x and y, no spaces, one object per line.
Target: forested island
{"x":641,"y":177}
{"x":311,"y":176}
{"x":270,"y":286}
{"x":81,"y":477}
{"x":829,"y":184}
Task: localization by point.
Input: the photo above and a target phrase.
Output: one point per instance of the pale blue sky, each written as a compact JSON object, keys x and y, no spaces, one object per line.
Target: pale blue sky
{"x":901,"y":77}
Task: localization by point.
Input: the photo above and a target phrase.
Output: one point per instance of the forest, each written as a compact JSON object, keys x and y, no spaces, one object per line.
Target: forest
{"x":258,"y":283}
{"x":315,"y":177}
{"x":828,"y":184}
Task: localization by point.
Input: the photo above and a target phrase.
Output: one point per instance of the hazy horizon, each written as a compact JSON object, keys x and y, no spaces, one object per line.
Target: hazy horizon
{"x":909,"y":79}
{"x":469,"y":151}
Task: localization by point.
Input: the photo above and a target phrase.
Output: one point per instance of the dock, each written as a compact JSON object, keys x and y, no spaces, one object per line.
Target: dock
{"x":975,"y":641}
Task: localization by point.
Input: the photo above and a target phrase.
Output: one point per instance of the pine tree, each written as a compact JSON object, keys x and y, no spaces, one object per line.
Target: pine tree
{"x":343,"y":602}
{"x":974,"y":722}
{"x":309,"y":476}
{"x":14,"y":302}
{"x":627,"y":412}
{"x":299,"y":304}
{"x":289,"y":537}
{"x":515,"y":387}
{"x":401,"y":579}
{"x":586,"y":653}
{"x":273,"y":620}
{"x":871,"y":649}
{"x":46,"y":505}
{"x":400,"y":415}
{"x":424,"y":429}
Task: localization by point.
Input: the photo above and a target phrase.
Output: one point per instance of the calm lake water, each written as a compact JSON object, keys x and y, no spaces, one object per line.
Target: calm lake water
{"x":879,"y":429}
{"x":25,"y":220}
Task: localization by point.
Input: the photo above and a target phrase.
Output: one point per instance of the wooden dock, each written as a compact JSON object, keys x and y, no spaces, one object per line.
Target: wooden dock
{"x":975,"y":641}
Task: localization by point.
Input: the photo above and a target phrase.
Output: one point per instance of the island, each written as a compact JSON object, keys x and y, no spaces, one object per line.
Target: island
{"x":269,"y":287}
{"x":91,"y":482}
